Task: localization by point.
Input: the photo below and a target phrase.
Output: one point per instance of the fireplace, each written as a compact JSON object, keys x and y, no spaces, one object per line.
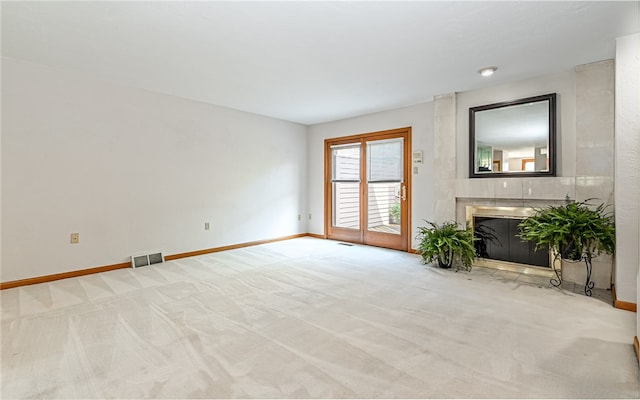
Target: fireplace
{"x":499,"y":246}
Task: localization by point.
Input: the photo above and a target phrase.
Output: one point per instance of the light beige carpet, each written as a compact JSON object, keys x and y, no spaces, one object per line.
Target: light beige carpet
{"x":309,"y":318}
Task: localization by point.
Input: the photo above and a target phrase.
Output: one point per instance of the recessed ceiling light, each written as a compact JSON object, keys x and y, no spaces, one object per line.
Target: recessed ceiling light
{"x":488,"y":71}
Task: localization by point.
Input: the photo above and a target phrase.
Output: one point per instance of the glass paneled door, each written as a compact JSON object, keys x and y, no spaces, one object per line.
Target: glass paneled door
{"x":366,"y":189}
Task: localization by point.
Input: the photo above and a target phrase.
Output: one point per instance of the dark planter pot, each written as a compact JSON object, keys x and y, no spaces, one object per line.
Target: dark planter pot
{"x":443,"y":262}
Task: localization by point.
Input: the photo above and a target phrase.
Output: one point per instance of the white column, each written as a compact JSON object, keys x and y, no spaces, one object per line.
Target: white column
{"x":627,"y":167}
{"x":444,"y":158}
{"x":595,"y":138}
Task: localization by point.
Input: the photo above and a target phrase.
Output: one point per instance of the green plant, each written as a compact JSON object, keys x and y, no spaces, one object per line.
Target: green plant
{"x":446,"y":243}
{"x":573,"y":230}
{"x":394,"y":210}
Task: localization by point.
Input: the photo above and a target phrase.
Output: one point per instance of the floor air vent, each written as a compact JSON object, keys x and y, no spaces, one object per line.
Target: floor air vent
{"x":146,"y":259}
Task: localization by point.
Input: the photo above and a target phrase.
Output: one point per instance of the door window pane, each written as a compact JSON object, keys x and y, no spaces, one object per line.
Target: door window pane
{"x":345,"y":177}
{"x":383,"y":211}
{"x":346,"y":205}
{"x":384,"y":177}
{"x":345,"y":163}
{"x":384,"y":160}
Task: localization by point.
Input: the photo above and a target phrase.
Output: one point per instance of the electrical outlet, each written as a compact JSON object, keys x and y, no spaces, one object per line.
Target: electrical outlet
{"x":207,"y":226}
{"x":299,"y":217}
{"x":309,"y":217}
{"x":75,"y":238}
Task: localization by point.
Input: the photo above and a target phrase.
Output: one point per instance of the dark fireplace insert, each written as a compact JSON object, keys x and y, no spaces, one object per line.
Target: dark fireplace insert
{"x":498,"y":240}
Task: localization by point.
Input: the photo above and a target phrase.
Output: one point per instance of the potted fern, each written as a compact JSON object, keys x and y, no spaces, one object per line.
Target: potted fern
{"x":446,"y":243}
{"x":394,"y":213}
{"x":575,"y":230}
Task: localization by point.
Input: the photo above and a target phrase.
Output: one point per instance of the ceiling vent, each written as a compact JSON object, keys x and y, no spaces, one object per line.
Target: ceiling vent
{"x":146,"y":259}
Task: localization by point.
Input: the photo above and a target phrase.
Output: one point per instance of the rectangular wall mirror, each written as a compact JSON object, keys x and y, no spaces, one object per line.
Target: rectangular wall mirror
{"x":513,"y":138}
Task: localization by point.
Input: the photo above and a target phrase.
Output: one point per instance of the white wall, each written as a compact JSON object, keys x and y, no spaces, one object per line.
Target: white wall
{"x":134,"y":171}
{"x":627,"y":168}
{"x":418,"y":117}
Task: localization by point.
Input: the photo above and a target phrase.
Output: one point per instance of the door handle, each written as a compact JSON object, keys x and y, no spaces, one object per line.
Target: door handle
{"x":404,"y":193}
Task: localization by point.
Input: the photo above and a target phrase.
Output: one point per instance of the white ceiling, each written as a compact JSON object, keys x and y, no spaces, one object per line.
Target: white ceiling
{"x":311,"y":62}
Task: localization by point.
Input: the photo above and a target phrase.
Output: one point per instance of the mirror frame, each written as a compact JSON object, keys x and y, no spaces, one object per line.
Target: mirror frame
{"x":551,"y":98}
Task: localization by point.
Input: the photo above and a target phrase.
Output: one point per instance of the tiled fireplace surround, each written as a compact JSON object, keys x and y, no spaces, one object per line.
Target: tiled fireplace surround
{"x":585,"y":152}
